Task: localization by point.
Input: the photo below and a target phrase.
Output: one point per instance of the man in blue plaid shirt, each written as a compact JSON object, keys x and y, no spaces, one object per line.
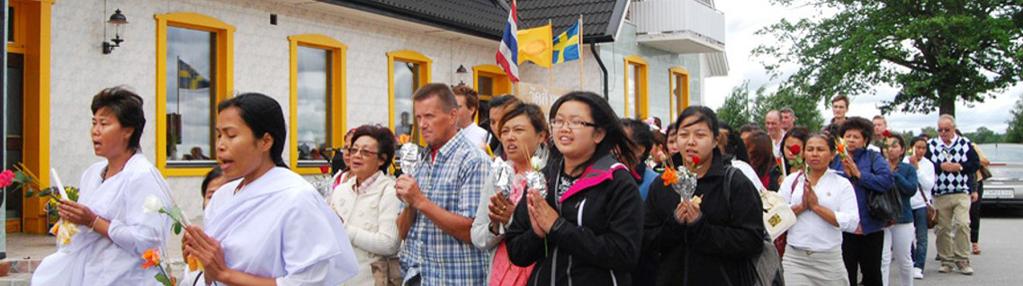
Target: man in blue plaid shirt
{"x":441,"y":197}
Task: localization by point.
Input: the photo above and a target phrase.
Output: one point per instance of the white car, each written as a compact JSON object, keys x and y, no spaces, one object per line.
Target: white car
{"x":1005,"y":187}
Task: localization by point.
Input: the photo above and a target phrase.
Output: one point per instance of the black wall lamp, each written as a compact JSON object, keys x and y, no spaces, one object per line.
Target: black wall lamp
{"x":117,"y":19}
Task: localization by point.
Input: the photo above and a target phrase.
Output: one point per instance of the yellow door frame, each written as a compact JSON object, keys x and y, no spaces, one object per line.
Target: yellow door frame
{"x":679,"y":102}
{"x":642,"y":96}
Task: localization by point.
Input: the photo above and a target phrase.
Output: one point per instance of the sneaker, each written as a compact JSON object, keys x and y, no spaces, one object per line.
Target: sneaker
{"x":964,"y":267}
{"x":918,"y":273}
{"x":945,"y":268}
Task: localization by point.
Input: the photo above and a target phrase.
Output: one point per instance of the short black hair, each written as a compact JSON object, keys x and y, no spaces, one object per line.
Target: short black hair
{"x":641,"y":135}
{"x":127,"y":107}
{"x":531,"y":111}
{"x":264,"y":116}
{"x":213,"y":174}
{"x":703,"y":114}
{"x":502,"y":100}
{"x":858,"y":123}
{"x":385,"y":142}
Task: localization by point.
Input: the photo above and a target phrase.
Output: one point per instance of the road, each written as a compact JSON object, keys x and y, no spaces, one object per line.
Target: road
{"x":1001,"y":239}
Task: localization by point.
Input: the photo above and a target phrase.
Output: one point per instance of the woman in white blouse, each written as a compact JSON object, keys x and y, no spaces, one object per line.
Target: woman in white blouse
{"x":825,"y":206}
{"x":367,"y":203}
{"x":919,"y":202}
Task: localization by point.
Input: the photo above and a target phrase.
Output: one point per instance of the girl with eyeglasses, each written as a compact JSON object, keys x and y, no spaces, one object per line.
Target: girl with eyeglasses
{"x":588,"y":227}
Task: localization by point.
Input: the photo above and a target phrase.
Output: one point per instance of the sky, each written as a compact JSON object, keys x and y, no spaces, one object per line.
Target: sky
{"x":744,"y":18}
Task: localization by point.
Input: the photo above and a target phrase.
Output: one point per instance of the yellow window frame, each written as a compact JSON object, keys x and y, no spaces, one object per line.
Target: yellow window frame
{"x":501,"y":83}
{"x":411,"y":56}
{"x":641,"y":86}
{"x":337,"y":93}
{"x":223,"y":77}
{"x":679,"y":102}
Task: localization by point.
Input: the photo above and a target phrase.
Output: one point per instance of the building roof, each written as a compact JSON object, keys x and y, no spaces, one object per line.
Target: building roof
{"x":486,"y":18}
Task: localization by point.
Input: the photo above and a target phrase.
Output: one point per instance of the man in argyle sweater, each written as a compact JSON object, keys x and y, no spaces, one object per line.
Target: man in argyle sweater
{"x":956,"y":159}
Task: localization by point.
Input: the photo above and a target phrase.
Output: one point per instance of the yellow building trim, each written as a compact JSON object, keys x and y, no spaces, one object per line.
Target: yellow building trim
{"x":642,"y":95}
{"x":501,"y":84}
{"x":34,"y":24}
{"x":223,"y":77}
{"x":406,"y":56}
{"x":338,"y":114}
{"x":679,"y":102}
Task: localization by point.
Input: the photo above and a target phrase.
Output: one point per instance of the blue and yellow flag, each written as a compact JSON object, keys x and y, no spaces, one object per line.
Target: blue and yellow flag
{"x":189,"y":78}
{"x":535,"y":45}
{"x":566,"y":45}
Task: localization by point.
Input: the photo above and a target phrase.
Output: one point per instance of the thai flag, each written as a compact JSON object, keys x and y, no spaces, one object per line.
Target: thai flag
{"x":508,"y":52}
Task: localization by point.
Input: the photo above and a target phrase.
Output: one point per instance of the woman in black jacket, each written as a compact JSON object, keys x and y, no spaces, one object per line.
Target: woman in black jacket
{"x":588,"y":229}
{"x":711,"y":240}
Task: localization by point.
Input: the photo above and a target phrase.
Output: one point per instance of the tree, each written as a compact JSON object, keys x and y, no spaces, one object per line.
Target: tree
{"x":736,"y":109}
{"x":805,"y":107}
{"x":935,"y":51}
{"x":1014,"y":134}
{"x":984,"y":135}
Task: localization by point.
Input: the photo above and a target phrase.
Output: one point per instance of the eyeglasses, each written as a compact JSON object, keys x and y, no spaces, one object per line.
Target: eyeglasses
{"x":574,"y":124}
{"x":945,"y":129}
{"x":352,"y":151}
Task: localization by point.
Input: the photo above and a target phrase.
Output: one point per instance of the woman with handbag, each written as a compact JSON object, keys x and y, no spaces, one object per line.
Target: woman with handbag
{"x":871,"y":177}
{"x":369,"y":207}
{"x":825,"y":205}
{"x":902,"y":233}
{"x":923,"y":213}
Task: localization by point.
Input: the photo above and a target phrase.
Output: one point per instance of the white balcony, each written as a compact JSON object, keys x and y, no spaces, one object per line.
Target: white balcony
{"x":679,"y":26}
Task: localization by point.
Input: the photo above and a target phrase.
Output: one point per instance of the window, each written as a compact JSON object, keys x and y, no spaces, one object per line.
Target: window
{"x":316,"y":101}
{"x":635,"y":87}
{"x":407,"y":71}
{"x":489,"y":81}
{"x":193,"y":75}
{"x":679,"y":78}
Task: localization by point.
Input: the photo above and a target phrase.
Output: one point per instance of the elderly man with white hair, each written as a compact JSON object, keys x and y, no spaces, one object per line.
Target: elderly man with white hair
{"x":954,"y":158}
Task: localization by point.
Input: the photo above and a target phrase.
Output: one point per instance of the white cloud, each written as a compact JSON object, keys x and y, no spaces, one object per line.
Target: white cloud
{"x":744,"y":18}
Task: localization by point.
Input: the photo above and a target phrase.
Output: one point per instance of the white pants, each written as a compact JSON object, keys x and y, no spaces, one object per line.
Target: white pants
{"x":898,"y":246}
{"x":886,"y":256}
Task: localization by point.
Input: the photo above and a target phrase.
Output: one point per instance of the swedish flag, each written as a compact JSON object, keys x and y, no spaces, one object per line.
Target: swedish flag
{"x":566,"y":45}
{"x":189,"y":78}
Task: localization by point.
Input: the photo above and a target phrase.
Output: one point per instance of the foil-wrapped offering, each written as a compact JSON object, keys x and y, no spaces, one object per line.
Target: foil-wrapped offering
{"x":503,"y":174}
{"x":535,"y":180}
{"x":686,"y":184}
{"x":408,"y":158}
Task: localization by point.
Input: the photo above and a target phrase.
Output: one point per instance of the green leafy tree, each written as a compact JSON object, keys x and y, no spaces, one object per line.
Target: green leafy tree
{"x":984,"y":135}
{"x":936,"y":52}
{"x":1014,"y":134}
{"x":805,"y":107}
{"x":736,"y":109}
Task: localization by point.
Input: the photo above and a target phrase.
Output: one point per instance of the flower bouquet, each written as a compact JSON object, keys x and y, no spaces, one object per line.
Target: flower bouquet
{"x":503,"y":174}
{"x":151,"y":258}
{"x":535,"y":179}
{"x":683,"y":179}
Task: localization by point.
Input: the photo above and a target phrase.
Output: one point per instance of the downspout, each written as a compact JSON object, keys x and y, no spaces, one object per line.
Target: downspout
{"x":603,"y":69}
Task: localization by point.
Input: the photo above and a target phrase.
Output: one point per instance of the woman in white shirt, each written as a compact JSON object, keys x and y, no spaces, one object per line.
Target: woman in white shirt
{"x":367,"y":203}
{"x":919,"y":202}
{"x":825,"y":206}
{"x":268,"y":226}
{"x":113,"y":229}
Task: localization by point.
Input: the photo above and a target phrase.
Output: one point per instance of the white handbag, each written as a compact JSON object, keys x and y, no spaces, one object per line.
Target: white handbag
{"x":778,"y":215}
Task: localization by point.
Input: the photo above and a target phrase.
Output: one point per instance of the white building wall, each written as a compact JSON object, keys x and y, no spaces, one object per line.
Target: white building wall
{"x":80,"y":70}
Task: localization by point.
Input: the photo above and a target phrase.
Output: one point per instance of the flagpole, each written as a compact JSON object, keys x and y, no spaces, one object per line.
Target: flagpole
{"x":550,"y":75}
{"x":581,"y":56}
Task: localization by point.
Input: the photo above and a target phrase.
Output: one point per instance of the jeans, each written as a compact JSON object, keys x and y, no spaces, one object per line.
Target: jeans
{"x":920,"y":251}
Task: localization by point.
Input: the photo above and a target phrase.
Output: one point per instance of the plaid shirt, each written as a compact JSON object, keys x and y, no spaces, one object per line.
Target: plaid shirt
{"x":453,"y":181}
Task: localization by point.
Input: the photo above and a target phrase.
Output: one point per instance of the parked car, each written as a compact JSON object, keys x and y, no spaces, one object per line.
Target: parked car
{"x":1005,"y":187}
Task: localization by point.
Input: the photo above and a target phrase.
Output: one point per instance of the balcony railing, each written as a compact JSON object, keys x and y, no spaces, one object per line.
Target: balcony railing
{"x":679,"y":26}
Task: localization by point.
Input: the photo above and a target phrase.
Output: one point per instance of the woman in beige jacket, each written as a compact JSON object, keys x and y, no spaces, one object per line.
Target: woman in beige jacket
{"x":367,"y":203}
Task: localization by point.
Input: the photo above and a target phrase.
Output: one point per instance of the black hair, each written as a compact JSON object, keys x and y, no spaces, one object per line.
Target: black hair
{"x":264,"y":116}
{"x":866,"y":127}
{"x":735,"y":147}
{"x":912,"y":142}
{"x":604,"y":118}
{"x":800,"y":133}
{"x":385,"y":142}
{"x":213,"y":174}
{"x":502,"y":100}
{"x":826,"y":137}
{"x":531,"y":111}
{"x":127,"y":107}
{"x":641,"y":135}
{"x":703,"y":114}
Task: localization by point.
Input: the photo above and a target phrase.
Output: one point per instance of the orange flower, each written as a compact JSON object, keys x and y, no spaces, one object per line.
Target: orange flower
{"x":151,"y":257}
{"x":669,"y":176}
{"x":194,"y":264}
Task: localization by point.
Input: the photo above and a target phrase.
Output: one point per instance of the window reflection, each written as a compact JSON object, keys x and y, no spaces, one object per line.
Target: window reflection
{"x":190,"y":97}
{"x":406,"y":81}
{"x":632,"y":92}
{"x":313,"y":102}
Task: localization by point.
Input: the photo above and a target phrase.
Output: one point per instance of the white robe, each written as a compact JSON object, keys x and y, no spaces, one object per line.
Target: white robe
{"x":90,"y":258}
{"x":279,"y":227}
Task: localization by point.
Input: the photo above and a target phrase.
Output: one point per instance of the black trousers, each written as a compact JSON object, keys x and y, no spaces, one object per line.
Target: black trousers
{"x":862,"y":253}
{"x":975,"y":214}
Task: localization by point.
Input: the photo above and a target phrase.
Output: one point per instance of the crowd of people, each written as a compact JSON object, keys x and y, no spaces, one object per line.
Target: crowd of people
{"x":589,"y":198}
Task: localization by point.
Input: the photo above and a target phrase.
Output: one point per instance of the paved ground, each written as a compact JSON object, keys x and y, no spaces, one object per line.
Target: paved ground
{"x":1001,"y":239}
